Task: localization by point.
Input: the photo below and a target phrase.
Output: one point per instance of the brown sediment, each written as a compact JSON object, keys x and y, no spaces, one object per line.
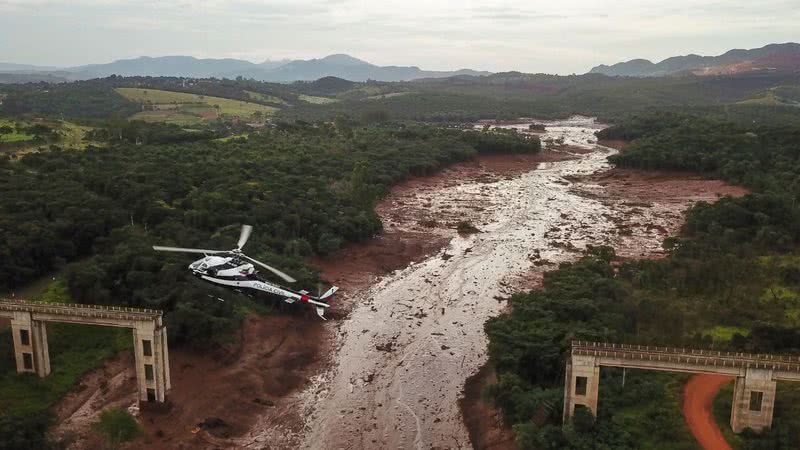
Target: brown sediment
{"x":276,"y":357}
{"x":112,"y":385}
{"x":484,"y":422}
{"x":415,"y":229}
{"x":250,"y":387}
{"x":663,"y":186}
{"x":282,"y":358}
{"x":241,"y":385}
{"x":652,"y":205}
{"x":698,"y":400}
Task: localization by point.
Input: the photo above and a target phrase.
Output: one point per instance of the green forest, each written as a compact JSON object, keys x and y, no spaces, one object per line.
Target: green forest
{"x":310,"y":189}
{"x":308,"y":178}
{"x":731,"y":281}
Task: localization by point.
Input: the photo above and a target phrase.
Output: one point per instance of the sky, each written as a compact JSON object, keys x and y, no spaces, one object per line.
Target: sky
{"x":565,"y":36}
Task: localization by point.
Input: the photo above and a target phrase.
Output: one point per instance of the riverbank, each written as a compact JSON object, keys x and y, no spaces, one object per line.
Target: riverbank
{"x":407,"y":333}
{"x":252,"y":390}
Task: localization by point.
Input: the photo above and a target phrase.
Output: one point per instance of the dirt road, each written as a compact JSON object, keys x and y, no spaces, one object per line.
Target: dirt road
{"x":698,"y":397}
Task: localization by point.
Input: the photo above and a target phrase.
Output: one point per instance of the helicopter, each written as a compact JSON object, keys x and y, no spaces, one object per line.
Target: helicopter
{"x":234,"y":269}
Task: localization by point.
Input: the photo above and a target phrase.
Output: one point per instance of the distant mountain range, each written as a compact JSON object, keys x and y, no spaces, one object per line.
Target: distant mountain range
{"x":341,"y":66}
{"x":770,"y":58}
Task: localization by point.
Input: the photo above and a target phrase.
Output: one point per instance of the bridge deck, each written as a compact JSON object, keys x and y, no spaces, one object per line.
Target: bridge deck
{"x":662,"y":357}
{"x":79,"y":311}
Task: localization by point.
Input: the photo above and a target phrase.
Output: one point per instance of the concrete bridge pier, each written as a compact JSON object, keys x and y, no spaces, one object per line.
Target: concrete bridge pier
{"x":753,"y":400}
{"x":152,"y":360}
{"x":150,"y":352}
{"x":30,"y":344}
{"x":582,"y":381}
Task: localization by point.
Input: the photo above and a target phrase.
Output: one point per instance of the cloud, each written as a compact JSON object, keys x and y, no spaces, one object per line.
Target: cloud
{"x":564,"y":36}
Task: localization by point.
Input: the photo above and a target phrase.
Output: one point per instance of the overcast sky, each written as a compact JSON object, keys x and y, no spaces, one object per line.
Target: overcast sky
{"x":554,"y":36}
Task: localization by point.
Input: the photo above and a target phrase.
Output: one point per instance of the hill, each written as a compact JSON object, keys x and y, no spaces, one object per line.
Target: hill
{"x":340,"y":65}
{"x":770,"y":58}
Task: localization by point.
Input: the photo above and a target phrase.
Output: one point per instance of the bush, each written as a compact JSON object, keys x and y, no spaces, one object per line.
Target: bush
{"x":117,"y":427}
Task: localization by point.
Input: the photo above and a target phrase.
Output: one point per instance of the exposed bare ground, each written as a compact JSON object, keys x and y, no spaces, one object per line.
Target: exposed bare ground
{"x":698,"y":397}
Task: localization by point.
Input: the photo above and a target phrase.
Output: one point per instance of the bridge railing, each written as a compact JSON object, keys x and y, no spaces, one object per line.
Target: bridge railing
{"x":714,"y":358}
{"x":82,"y":310}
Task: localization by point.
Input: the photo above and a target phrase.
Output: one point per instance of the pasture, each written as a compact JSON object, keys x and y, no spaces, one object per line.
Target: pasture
{"x":15,"y":135}
{"x":316,"y":100}
{"x":185,"y":109}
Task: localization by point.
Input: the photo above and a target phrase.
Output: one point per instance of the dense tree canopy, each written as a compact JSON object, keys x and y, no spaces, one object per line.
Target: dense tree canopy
{"x":734,"y":267}
{"x":306,"y":189}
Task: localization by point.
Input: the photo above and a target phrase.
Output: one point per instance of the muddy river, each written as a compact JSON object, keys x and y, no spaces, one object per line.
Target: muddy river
{"x":414,"y":336}
{"x":389,"y":369}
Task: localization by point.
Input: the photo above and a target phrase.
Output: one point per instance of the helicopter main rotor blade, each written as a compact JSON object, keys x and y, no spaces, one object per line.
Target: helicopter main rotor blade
{"x":187,"y":250}
{"x":277,"y":272}
{"x":244,"y":236}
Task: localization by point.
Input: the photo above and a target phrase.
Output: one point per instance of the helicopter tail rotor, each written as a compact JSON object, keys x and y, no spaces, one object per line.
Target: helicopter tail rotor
{"x":329,"y":293}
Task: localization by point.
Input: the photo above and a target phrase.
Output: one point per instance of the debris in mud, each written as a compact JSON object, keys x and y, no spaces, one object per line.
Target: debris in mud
{"x":536,"y":128}
{"x":387,"y":347}
{"x":568,"y":246}
{"x":428,"y":223}
{"x":466,"y":227}
{"x":651,"y":226}
{"x":446,"y":256}
{"x":263,"y":402}
{"x":215,"y":426}
{"x":444,"y":347}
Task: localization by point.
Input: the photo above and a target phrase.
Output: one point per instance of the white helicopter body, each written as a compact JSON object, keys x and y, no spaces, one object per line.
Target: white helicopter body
{"x":231,"y":268}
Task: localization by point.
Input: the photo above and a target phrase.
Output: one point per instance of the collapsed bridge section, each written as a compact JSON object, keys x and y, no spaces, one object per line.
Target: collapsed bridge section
{"x":753,"y":395}
{"x":28,"y":326}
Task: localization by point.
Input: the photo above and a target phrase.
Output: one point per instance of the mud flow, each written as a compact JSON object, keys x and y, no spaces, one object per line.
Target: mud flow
{"x":390,"y":367}
{"x":415,"y":335}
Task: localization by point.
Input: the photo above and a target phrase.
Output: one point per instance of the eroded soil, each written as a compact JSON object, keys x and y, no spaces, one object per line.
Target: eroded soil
{"x":226,"y":391}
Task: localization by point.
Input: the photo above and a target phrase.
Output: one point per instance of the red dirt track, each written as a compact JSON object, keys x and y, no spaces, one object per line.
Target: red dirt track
{"x":698,"y":396}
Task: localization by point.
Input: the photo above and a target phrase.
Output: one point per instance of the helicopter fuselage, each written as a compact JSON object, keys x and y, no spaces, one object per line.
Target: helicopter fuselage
{"x":234,"y":272}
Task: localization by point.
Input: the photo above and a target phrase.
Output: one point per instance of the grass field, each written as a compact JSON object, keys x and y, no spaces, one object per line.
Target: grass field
{"x":723,"y":334}
{"x":783,"y":95}
{"x":183,"y":106}
{"x":68,"y":136}
{"x":317,"y":100}
{"x":14,"y":136}
{"x":389,"y":95}
{"x":265,"y":98}
{"x":173,"y":117}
